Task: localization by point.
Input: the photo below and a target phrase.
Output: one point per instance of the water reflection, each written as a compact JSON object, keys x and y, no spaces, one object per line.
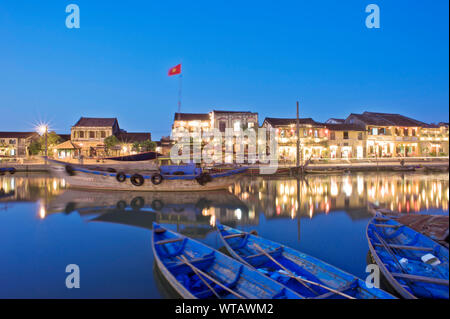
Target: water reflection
{"x":350,"y":193}
{"x":245,"y":201}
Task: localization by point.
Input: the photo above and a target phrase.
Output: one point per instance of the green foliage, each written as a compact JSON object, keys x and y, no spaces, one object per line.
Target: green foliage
{"x":147,"y":146}
{"x":111,"y":141}
{"x":136,"y":146}
{"x":35,"y":147}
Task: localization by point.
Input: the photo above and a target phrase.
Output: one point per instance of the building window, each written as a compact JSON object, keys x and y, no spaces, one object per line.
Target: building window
{"x":332,"y":136}
{"x":237,"y":126}
{"x":413,"y":131}
{"x":374,"y":131}
{"x":81,"y":134}
{"x":102,"y":134}
{"x":345,"y":135}
{"x":360,"y":136}
{"x":405,"y":132}
{"x":91,"y":134}
{"x":12,"y":141}
{"x":222,"y":126}
{"x":316,"y":134}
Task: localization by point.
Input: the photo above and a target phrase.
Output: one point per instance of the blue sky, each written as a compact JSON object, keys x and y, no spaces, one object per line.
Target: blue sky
{"x":260,"y":56}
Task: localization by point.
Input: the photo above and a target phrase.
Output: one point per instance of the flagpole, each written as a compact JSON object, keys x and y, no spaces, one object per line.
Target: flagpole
{"x":179,"y":93}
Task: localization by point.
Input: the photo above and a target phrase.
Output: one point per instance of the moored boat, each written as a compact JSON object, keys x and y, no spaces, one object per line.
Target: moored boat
{"x":300,"y":272}
{"x":136,"y":157}
{"x":169,"y":178}
{"x":413,"y":264}
{"x":196,"y":271}
{"x":4,"y":170}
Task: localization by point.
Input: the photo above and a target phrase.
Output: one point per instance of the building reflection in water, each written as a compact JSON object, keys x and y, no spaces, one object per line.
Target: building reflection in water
{"x":322,"y":194}
{"x":246,"y":200}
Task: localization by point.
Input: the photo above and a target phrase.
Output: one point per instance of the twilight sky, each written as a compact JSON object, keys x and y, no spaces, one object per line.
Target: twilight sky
{"x":237,"y":55}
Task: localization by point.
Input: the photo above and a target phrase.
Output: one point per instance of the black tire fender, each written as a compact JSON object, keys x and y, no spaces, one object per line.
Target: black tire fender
{"x":121,"y":177}
{"x":157,"y":179}
{"x":137,"y":180}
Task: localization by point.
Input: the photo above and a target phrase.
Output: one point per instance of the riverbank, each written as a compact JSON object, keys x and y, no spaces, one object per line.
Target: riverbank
{"x":319,"y":166}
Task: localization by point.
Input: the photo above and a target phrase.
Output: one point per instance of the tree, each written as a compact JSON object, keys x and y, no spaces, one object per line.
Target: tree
{"x":147,"y":146}
{"x":110,"y":142}
{"x":35,"y":147}
{"x":136,"y":146}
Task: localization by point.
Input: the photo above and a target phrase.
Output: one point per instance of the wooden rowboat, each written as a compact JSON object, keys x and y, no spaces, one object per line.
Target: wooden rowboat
{"x":196,"y":271}
{"x":4,"y":170}
{"x":300,"y":272}
{"x":184,"y":178}
{"x":413,"y":264}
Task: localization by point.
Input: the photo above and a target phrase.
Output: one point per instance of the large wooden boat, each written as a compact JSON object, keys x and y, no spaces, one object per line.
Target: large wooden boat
{"x":168,"y":178}
{"x":413,"y":264}
{"x":196,"y":271}
{"x":298,"y":271}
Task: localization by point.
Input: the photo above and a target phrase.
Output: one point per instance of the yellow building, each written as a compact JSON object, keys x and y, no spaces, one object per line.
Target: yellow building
{"x":389,"y":135}
{"x":313,"y":138}
{"x":15,"y":144}
{"x":346,"y":141}
{"x":434,"y":140}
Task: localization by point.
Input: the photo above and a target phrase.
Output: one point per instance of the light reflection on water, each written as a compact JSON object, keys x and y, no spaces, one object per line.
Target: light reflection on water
{"x":45,"y":226}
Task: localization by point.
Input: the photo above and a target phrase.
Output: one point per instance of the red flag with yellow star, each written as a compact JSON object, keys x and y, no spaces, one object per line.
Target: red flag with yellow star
{"x":175,"y":70}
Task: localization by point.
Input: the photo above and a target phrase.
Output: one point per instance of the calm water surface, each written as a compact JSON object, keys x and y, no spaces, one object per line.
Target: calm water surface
{"x":44,"y":226}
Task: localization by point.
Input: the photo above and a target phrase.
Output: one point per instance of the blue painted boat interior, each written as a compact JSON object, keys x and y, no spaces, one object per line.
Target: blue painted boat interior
{"x":299,"y":264}
{"x":410,"y":261}
{"x":170,"y":246}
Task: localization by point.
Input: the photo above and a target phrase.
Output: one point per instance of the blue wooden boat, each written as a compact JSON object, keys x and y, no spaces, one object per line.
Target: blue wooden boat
{"x":196,"y":271}
{"x":300,"y":272}
{"x":10,"y":170}
{"x":413,"y":264}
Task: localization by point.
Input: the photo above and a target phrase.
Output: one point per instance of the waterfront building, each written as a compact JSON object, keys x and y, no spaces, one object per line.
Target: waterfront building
{"x":434,"y":140}
{"x":90,"y":134}
{"x":389,"y":135}
{"x":313,"y":138}
{"x":15,"y":144}
{"x":346,"y":141}
{"x":219,"y":120}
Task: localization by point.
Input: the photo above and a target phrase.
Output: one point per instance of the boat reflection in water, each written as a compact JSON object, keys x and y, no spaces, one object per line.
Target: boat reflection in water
{"x":141,"y":209}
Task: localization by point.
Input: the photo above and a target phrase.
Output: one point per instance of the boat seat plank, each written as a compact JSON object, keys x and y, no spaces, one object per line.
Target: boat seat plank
{"x":279,"y":249}
{"x":168,"y":241}
{"x":407,"y":247}
{"x":234,"y":236}
{"x":430,"y":280}
{"x":387,"y":226}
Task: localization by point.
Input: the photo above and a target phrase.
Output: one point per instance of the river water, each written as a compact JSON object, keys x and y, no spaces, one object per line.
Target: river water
{"x":45,"y":226}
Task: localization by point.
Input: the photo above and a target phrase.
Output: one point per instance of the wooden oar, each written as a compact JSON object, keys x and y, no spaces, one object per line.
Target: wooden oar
{"x":302,"y":280}
{"x":210,"y":278}
{"x":183,"y":259}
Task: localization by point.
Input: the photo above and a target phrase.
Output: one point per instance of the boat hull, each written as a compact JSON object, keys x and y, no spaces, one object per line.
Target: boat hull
{"x":301,"y":264}
{"x":398,"y":251}
{"x":102,"y":180}
{"x":168,"y":249}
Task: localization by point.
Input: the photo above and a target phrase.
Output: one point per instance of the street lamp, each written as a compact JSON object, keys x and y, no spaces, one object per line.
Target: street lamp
{"x":43,"y":130}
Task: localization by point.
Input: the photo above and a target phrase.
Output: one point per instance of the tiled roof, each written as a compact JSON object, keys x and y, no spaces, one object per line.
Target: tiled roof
{"x":219,"y":111}
{"x":191,"y":117}
{"x":387,"y":119}
{"x":344,"y":127}
{"x":133,"y":137}
{"x":96,"y":122}
{"x":18,"y":134}
{"x":274,"y":121}
{"x":64,"y":137}
{"x":67,"y":145}
{"x":335,"y":121}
